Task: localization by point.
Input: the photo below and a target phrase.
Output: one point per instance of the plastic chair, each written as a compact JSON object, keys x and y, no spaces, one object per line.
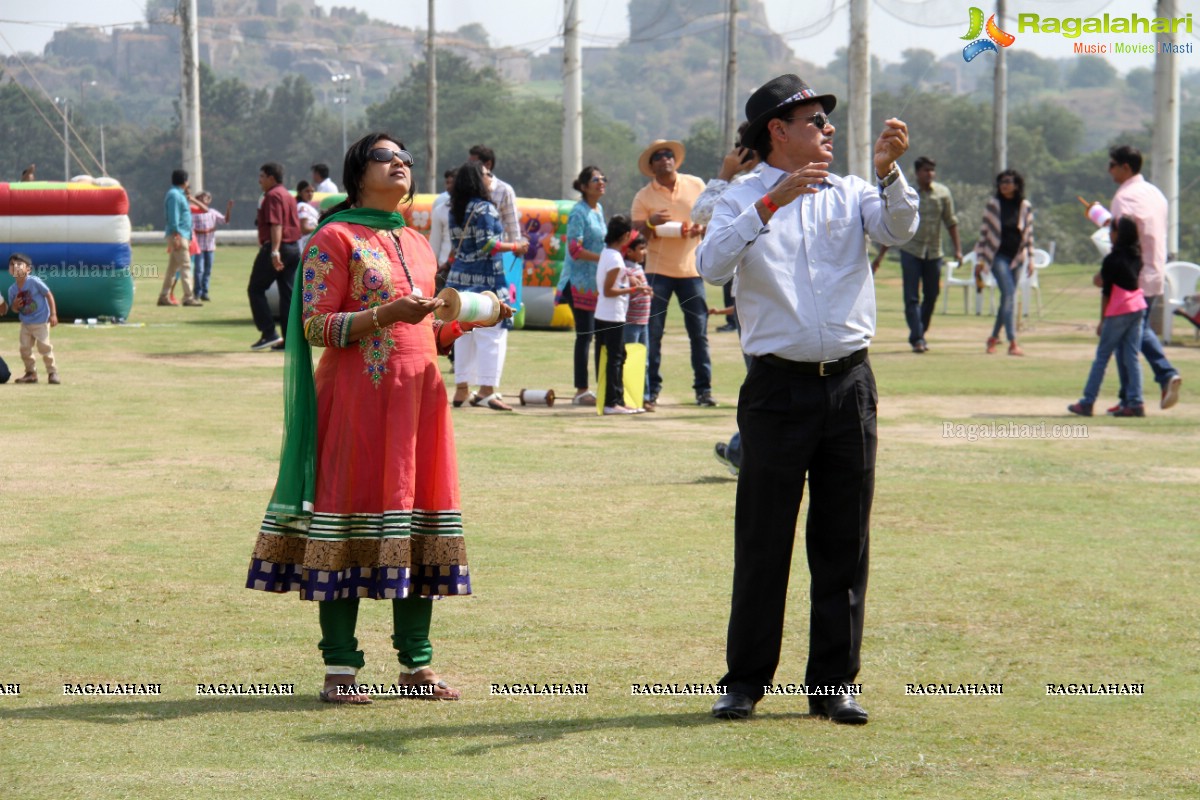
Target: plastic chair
{"x":989,"y":283}
{"x":1181,"y":278}
{"x":967,"y":284}
{"x":1030,"y":284}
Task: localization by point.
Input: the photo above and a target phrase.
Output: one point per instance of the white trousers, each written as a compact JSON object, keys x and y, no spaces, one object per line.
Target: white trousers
{"x":479,"y":356}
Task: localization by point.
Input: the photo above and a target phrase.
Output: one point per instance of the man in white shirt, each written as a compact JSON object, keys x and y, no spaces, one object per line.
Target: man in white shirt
{"x":320,"y":179}
{"x":795,"y":236}
{"x":503,"y":196}
{"x":439,"y":222}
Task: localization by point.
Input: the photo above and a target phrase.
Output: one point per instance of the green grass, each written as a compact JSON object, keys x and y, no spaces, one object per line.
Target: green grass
{"x":600,"y":550}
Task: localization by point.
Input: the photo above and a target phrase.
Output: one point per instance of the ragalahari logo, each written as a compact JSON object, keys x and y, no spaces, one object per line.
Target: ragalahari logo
{"x":995,"y":36}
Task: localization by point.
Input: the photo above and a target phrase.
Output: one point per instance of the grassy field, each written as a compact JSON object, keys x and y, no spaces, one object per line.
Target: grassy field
{"x":600,"y":550}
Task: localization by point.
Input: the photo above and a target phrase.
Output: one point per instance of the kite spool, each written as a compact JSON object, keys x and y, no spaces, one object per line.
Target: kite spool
{"x":537,"y":397}
{"x":671,"y":230}
{"x":478,"y":307}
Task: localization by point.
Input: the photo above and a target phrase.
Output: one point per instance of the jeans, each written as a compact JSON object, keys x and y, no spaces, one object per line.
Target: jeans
{"x":690,"y":292}
{"x":1121,"y":334}
{"x":262,"y":275}
{"x":925,"y":273}
{"x":640,"y":334}
{"x":1152,"y":349}
{"x":1002,"y":270}
{"x":727,"y":296}
{"x":202,"y":270}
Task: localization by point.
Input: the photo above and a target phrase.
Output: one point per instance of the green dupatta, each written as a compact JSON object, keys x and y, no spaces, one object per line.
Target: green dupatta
{"x":295,"y":488}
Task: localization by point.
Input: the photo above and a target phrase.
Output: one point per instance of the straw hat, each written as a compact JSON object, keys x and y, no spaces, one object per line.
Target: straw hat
{"x":661,"y":144}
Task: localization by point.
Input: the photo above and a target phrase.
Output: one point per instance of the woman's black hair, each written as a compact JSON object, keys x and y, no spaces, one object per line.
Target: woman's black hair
{"x":1127,"y":236}
{"x":355,"y":166}
{"x":585,"y":177}
{"x":618,"y":226}
{"x":468,"y":185}
{"x":1017,"y":179}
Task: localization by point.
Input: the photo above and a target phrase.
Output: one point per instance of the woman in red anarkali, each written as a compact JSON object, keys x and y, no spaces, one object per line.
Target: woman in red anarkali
{"x":367,"y":502}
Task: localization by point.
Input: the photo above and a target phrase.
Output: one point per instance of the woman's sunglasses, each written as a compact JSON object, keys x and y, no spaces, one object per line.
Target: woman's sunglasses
{"x":384,"y":155}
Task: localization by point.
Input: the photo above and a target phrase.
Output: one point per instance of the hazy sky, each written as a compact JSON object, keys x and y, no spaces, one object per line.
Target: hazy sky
{"x":814,"y":28}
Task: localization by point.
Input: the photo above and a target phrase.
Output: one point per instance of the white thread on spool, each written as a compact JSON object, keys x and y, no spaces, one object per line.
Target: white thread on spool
{"x":537,"y":397}
{"x":669,"y":230}
{"x":1098,"y":214}
{"x":482,"y":307}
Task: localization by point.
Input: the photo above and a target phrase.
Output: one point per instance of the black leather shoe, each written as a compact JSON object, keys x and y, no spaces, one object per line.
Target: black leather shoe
{"x":733,"y":705}
{"x":840,"y":708}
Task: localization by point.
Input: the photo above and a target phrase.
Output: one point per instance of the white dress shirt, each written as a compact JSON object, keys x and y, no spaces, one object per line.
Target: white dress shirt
{"x":505,"y":200}
{"x":805,"y":290}
{"x":439,"y":227}
{"x":327,"y":186}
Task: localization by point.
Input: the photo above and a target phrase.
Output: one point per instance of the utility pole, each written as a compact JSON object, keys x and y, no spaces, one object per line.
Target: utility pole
{"x":431,"y":108}
{"x":572,"y":150}
{"x":66,"y":140}
{"x":341,"y":85}
{"x":1000,"y":102}
{"x":730,"y":128}
{"x":861,"y":159}
{"x":193,"y":160}
{"x":1164,"y":163}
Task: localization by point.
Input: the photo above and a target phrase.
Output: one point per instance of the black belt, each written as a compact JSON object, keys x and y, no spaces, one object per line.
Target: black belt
{"x":818,"y":368}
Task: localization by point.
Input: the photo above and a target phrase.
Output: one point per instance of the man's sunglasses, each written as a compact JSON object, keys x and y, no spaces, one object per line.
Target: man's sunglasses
{"x":819,"y":120}
{"x":662,"y":154}
{"x":384,"y":155}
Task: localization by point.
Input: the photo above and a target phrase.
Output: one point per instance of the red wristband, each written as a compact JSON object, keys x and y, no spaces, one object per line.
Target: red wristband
{"x":768,"y":203}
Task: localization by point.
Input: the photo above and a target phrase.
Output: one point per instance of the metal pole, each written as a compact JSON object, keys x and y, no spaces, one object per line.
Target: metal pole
{"x":730,"y":131}
{"x":861,"y":158}
{"x":103,"y":162}
{"x":193,"y":160}
{"x":1164,"y":163}
{"x":572,"y":150}
{"x":431,"y":108}
{"x":66,"y":141}
{"x":1000,"y":103}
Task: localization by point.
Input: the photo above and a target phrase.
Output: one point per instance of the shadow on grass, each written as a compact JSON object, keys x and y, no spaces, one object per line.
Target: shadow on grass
{"x":123,"y":712}
{"x":525,"y":732}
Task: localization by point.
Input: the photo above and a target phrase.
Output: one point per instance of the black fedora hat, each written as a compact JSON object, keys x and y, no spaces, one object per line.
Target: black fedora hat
{"x":776,"y":94}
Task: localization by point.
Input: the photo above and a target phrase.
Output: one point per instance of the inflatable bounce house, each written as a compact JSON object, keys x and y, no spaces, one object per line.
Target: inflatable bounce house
{"x":534,"y":278}
{"x":77,"y":235}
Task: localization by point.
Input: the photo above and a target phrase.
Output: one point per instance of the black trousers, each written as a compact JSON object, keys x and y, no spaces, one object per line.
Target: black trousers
{"x":796,"y":426}
{"x":611,"y":336}
{"x":262,"y":275}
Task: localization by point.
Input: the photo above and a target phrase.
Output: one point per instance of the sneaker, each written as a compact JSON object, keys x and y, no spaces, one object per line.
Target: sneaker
{"x":609,"y":410}
{"x":265,"y":342}
{"x":1081,"y":408}
{"x":1170,"y":394}
{"x":919,"y":347}
{"x":1114,"y":409}
{"x":991,"y":345}
{"x":28,"y":377}
{"x":1014,"y":349}
{"x":705,"y":398}
{"x":191,"y":301}
{"x":52,"y":378}
{"x":1130,"y":411}
{"x":720,"y":451}
{"x":727,"y":328}
{"x":278,"y":345}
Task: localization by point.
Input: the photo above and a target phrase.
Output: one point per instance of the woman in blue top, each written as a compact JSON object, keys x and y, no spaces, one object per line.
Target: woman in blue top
{"x":475,"y":232}
{"x":586,"y":228}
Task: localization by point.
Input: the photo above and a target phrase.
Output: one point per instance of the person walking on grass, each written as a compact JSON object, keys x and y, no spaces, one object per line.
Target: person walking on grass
{"x":1006,"y":247}
{"x":1120,"y":329}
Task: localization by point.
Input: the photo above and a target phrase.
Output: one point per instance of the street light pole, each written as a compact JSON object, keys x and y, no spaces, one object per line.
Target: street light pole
{"x":342,"y":87}
{"x":66,"y":133}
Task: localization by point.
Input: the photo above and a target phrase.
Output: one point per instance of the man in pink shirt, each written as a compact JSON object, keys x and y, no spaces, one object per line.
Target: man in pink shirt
{"x":1138,"y":198}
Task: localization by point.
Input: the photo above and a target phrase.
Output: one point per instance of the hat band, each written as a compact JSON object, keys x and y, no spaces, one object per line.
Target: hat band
{"x":803,"y":94}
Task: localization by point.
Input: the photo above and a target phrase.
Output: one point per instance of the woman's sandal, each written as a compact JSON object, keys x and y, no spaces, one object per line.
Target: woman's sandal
{"x":587,"y":398}
{"x":330,"y":693}
{"x":469,"y":398}
{"x":494,"y":401}
{"x":430,"y":688}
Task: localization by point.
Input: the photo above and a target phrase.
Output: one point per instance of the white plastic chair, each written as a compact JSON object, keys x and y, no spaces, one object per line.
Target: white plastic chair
{"x":1029,"y":283}
{"x":989,"y":283}
{"x":1181,"y":278}
{"x":967,"y":284}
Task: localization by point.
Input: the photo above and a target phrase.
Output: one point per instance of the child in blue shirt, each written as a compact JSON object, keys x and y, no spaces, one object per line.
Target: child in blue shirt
{"x":30,"y":298}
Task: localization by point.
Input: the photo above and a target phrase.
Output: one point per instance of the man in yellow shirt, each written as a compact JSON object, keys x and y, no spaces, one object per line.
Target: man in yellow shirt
{"x":661,"y":211}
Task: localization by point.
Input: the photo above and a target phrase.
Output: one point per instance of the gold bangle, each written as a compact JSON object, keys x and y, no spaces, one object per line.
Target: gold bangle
{"x":375,"y":317}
